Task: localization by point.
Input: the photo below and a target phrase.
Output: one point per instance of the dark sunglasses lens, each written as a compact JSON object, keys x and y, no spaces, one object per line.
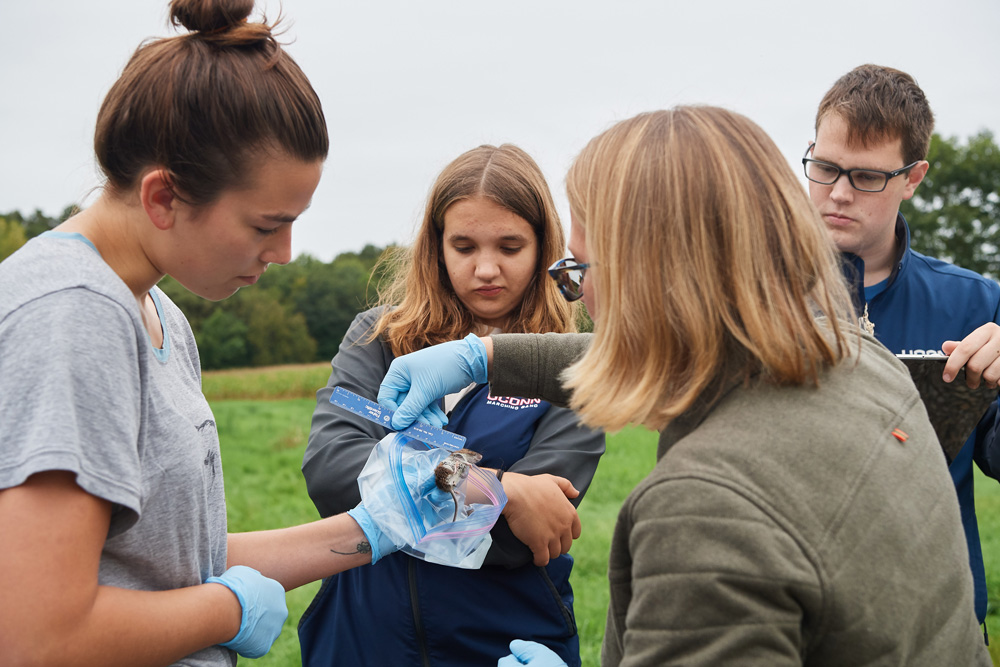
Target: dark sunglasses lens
{"x":570,"y":282}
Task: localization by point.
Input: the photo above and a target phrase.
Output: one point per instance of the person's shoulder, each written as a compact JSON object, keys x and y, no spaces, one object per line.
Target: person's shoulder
{"x":371,"y":315}
{"x":946,"y":271}
{"x":48,"y":265}
{"x":364,"y":322}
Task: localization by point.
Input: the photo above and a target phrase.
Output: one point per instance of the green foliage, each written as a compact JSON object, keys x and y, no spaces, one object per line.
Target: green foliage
{"x":955,"y":213}
{"x":222,"y":341}
{"x":296,"y":313}
{"x":12,"y":236}
{"x":274,"y":335}
{"x":330,"y":295}
{"x":16,"y":230}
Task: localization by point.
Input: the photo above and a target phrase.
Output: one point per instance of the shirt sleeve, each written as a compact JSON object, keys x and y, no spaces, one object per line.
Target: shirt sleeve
{"x":70,"y":395}
{"x":986,"y":453}
{"x":530,"y":365}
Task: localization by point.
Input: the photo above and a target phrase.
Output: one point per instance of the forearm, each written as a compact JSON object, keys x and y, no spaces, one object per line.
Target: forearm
{"x":53,"y":610}
{"x":529,"y":365}
{"x":122,"y":627}
{"x":298,"y":555}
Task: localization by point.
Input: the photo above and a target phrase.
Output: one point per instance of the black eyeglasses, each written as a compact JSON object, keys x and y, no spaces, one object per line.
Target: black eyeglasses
{"x":865,"y":180}
{"x":568,"y":274}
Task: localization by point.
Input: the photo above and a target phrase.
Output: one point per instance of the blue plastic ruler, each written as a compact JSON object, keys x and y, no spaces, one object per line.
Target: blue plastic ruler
{"x":372,"y":411}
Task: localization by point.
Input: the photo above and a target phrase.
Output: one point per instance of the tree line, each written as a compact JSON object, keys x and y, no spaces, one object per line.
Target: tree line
{"x":300,"y":312}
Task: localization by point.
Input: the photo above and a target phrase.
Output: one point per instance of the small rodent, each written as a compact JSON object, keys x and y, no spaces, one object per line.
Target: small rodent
{"x":449,"y":473}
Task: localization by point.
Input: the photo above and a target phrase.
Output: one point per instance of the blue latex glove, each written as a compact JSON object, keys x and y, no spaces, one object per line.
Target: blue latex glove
{"x":433,"y":505}
{"x":530,"y":653}
{"x":416,"y":381}
{"x":264,"y":610}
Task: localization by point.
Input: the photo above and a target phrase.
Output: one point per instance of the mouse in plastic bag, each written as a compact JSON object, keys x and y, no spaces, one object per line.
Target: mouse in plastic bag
{"x":449,"y":473}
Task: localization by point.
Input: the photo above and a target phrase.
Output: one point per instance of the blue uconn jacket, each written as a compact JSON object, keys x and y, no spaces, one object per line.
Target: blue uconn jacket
{"x":405,"y":611}
{"x":926,"y":302}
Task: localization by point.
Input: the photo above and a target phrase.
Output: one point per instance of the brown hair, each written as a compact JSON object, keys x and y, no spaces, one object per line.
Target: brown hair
{"x":428,"y":311}
{"x":205,"y":104}
{"x":878,"y":104}
{"x":710,"y":265}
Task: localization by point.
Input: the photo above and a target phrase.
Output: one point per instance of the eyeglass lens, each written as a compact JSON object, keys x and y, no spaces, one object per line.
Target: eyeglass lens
{"x":570,"y":282}
{"x":861,"y":179}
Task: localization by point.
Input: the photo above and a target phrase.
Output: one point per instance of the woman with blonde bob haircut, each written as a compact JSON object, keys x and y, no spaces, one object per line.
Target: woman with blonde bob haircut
{"x":730,"y":270}
{"x":795,"y":514}
{"x":476,"y":267}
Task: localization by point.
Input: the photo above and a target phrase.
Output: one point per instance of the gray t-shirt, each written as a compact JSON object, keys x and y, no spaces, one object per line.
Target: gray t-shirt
{"x":83,"y":389}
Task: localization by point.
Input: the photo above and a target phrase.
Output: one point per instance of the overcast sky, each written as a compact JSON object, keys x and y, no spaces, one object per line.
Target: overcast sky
{"x":407,"y":86}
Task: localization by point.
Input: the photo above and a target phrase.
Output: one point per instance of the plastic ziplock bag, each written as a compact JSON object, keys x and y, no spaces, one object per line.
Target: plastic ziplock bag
{"x":431,"y":524}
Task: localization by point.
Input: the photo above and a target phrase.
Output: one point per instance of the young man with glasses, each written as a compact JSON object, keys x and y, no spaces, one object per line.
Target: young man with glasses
{"x":873,"y":129}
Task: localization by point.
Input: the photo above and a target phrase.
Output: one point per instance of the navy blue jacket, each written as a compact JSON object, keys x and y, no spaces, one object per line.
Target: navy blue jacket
{"x":927,"y":302}
{"x":405,"y":611}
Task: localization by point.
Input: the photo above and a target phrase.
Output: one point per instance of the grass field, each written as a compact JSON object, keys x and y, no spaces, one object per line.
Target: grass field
{"x":262,"y":446}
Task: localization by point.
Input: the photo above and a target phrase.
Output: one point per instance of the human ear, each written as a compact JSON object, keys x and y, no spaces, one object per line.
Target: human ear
{"x":914,"y":177}
{"x":158,"y":198}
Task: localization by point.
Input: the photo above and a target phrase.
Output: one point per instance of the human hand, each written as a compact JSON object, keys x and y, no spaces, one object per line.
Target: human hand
{"x":530,"y":653}
{"x":979,"y":352}
{"x":416,"y":381}
{"x":264,"y":612}
{"x":540,"y":514}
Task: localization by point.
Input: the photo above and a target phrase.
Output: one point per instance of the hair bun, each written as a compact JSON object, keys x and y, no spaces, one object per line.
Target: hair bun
{"x":209,"y":15}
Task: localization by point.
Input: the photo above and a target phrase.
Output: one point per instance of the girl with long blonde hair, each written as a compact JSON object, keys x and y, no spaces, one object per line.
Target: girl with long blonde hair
{"x":476,"y":267}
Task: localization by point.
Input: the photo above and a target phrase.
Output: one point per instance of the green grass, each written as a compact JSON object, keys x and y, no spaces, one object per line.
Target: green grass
{"x":270,"y":382}
{"x":262,"y":446}
{"x":988,"y":514}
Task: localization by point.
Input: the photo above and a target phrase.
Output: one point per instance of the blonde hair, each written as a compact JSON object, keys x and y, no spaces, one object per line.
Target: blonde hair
{"x":428,"y":312}
{"x":709,"y":263}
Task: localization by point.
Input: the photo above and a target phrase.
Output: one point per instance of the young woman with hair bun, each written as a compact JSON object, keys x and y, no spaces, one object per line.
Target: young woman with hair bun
{"x":112,"y":509}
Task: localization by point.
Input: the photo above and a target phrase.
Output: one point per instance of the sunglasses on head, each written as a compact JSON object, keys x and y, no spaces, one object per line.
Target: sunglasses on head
{"x":568,"y":274}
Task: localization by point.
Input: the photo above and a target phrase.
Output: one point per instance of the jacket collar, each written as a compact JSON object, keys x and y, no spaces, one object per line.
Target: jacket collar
{"x":730,"y":378}
{"x":854,"y":267}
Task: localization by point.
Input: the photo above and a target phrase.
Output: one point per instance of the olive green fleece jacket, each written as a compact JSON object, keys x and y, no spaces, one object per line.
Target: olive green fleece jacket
{"x":783,"y":526}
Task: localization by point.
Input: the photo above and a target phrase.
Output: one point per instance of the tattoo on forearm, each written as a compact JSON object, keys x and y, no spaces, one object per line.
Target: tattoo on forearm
{"x":362,"y":548}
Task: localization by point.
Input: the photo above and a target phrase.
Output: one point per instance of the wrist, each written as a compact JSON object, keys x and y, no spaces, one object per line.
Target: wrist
{"x":477,"y":359}
{"x":512,"y":489}
{"x":226,"y":599}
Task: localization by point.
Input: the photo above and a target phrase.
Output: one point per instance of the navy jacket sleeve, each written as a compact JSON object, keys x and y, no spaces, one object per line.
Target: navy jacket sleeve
{"x":987,"y":449}
{"x":561,"y":446}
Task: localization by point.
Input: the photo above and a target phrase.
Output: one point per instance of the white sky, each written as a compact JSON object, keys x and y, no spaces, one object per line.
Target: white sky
{"x":407,"y":86}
